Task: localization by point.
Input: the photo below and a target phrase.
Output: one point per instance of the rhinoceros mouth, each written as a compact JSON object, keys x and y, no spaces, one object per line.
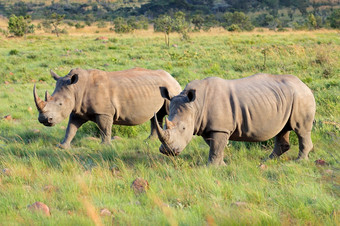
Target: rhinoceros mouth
{"x":169,"y":152}
{"x":48,"y":124}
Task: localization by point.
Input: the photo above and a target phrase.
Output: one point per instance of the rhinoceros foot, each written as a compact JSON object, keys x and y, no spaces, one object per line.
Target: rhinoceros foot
{"x":64,"y":146}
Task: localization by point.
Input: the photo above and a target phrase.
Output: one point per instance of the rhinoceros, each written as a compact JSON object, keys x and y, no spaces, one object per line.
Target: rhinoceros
{"x":128,"y":97}
{"x":252,"y":109}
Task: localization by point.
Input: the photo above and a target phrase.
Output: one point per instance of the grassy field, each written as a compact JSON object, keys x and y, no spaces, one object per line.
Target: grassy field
{"x":77,"y":183}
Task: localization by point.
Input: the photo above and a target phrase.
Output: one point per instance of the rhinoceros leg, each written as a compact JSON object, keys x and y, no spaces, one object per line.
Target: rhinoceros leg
{"x":104,"y":123}
{"x":73,"y":125}
{"x":305,"y":145}
{"x":160,"y":115}
{"x":217,"y":142}
{"x":281,"y":144}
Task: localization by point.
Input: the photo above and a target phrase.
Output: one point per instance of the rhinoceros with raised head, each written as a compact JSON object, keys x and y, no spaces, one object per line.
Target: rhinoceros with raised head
{"x":250,"y":109}
{"x":127,"y":97}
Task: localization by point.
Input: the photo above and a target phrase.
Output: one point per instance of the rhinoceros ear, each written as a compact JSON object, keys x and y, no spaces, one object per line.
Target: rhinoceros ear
{"x":74,"y":79}
{"x":54,"y":75}
{"x":191,"y":94}
{"x":165,"y":93}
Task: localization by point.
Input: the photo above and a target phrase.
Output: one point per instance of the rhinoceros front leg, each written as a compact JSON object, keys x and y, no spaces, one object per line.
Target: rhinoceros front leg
{"x":217,"y":142}
{"x":73,"y":125}
{"x":104,"y":123}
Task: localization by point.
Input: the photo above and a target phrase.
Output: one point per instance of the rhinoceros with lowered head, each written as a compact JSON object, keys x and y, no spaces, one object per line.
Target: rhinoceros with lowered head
{"x":128,"y":97}
{"x":251,"y":109}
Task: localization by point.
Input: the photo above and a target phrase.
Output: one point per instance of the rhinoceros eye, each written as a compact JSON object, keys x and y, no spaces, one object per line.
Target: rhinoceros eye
{"x":60,"y":103}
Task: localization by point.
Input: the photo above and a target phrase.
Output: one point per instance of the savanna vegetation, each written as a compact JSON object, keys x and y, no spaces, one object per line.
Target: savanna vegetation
{"x":77,"y":183}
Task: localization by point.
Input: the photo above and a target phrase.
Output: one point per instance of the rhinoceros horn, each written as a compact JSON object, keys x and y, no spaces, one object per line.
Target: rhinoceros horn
{"x":162,"y":135}
{"x":169,"y":124}
{"x":38,"y":102}
{"x":47,"y":96}
{"x":54,"y":75}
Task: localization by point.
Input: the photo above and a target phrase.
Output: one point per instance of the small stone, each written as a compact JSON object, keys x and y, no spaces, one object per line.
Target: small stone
{"x":320,"y":162}
{"x":106,"y":65}
{"x":218,"y":182}
{"x":6,"y":171}
{"x":27,"y":187}
{"x":139,"y":185}
{"x":29,"y":109}
{"x":116,"y":138}
{"x":39,"y":206}
{"x":174,"y":45}
{"x":329,"y":171}
{"x":239,"y":204}
{"x":8,"y":117}
{"x":36,"y":131}
{"x":102,"y":38}
{"x":49,"y":188}
{"x":263,"y":167}
{"x":105,"y":212}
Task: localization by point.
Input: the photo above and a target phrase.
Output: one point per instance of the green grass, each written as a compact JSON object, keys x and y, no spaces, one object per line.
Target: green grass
{"x":182,"y":190}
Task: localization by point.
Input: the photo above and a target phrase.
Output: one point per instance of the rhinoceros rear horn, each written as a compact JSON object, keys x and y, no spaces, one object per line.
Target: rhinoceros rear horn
{"x":54,"y":75}
{"x":38,"y":102}
{"x":160,"y":132}
{"x":47,"y":96}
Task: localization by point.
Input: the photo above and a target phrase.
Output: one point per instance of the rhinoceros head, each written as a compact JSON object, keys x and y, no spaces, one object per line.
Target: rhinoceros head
{"x":179,"y":128}
{"x":57,"y":107}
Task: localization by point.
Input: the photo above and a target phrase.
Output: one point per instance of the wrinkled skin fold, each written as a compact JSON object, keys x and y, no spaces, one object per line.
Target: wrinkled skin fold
{"x":127,"y":97}
{"x":252,"y":109}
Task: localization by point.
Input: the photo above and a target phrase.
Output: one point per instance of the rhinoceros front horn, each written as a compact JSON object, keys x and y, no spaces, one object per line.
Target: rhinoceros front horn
{"x":38,"y":102}
{"x":160,"y":132}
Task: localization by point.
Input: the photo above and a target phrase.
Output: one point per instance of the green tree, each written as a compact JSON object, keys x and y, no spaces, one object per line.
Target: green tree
{"x":165,"y":24}
{"x":53,"y":22}
{"x":20,"y":26}
{"x":197,"y":21}
{"x":334,"y":19}
{"x":239,"y":19}
{"x":312,"y":24}
{"x":180,"y":24}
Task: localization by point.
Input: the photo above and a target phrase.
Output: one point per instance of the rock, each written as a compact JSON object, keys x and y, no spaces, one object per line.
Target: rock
{"x":29,"y":109}
{"x":105,"y":212}
{"x":6,"y":82}
{"x":6,"y":171}
{"x":262,"y":166}
{"x":139,"y":185}
{"x":40,"y":207}
{"x":218,"y":182}
{"x":320,"y":162}
{"x":49,"y":188}
{"x":8,"y":117}
{"x":36,"y":131}
{"x":329,"y":171}
{"x":116,"y":138}
{"x":239,"y":204}
{"x":102,"y":38}
{"x":174,"y":45}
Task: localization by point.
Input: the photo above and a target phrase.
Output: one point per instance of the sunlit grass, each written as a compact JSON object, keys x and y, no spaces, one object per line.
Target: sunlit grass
{"x":77,"y":183}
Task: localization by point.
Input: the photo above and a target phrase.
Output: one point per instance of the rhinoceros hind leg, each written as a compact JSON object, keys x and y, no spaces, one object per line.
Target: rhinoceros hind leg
{"x":281,"y":144}
{"x":104,"y":123}
{"x":160,"y":115}
{"x":305,"y":145}
{"x":217,"y":142}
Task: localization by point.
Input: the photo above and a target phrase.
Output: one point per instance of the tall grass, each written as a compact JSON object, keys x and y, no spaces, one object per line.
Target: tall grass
{"x":77,"y":183}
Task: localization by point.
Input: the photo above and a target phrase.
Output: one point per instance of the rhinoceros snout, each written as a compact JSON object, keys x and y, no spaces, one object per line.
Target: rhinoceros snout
{"x":47,"y":121}
{"x":168,"y":151}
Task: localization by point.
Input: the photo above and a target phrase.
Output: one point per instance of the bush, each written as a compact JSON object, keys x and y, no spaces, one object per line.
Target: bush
{"x":19,"y":26}
{"x":121,"y":25}
{"x":13,"y":52}
{"x":334,"y":19}
{"x":234,"y":27}
{"x":79,"y":25}
{"x":239,"y":19}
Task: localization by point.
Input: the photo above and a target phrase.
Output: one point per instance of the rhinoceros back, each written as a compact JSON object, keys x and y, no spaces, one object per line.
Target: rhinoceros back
{"x":255,"y":108}
{"x":131,"y":96}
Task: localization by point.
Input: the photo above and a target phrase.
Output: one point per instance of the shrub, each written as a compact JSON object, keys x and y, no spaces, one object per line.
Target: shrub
{"x":238,"y":18}
{"x":334,"y":19}
{"x":13,"y":52}
{"x":234,"y":27}
{"x":19,"y":26}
